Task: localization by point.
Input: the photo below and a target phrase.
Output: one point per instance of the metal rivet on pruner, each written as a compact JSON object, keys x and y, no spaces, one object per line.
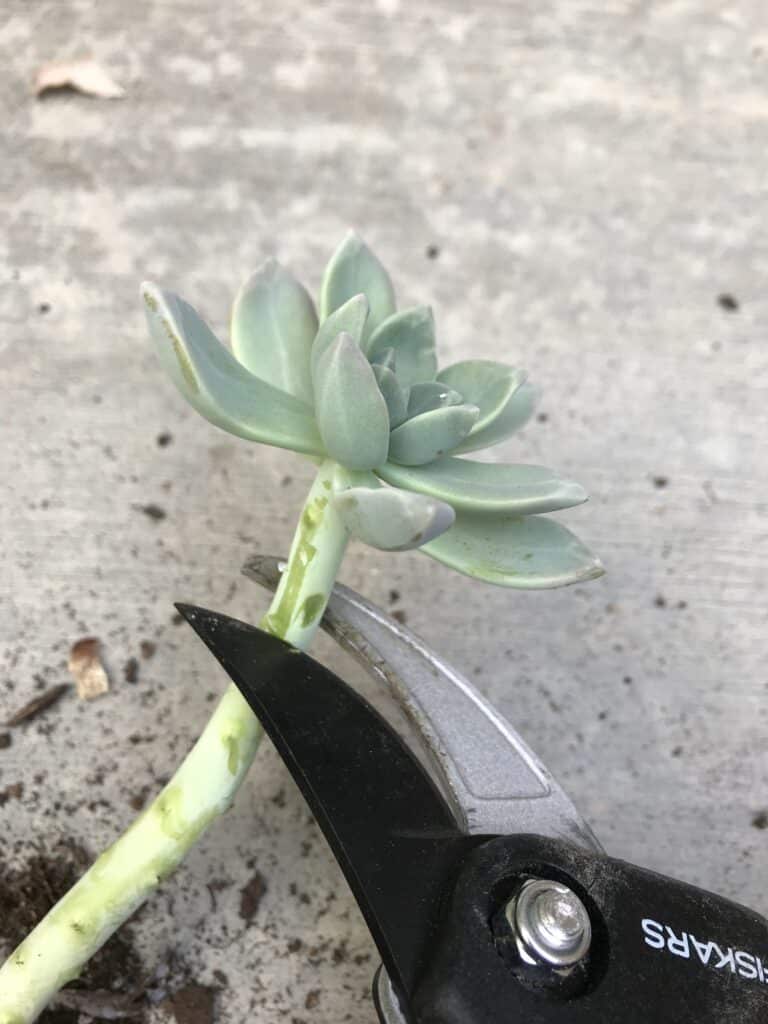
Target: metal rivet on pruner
{"x":550,"y":923}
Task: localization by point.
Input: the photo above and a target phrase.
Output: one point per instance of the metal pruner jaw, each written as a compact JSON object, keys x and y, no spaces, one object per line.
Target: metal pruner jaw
{"x":493,"y":781}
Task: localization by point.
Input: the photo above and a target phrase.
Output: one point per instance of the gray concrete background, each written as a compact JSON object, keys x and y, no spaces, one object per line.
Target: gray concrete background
{"x":593,"y":175}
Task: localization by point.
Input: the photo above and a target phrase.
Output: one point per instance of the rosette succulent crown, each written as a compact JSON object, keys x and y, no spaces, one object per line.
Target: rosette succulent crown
{"x":358,"y":382}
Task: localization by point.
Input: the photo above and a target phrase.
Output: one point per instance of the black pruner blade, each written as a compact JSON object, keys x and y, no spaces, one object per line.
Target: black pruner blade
{"x":395,"y":838}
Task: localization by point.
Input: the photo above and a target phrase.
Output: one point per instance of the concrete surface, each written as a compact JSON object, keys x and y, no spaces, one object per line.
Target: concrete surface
{"x":572,"y":185}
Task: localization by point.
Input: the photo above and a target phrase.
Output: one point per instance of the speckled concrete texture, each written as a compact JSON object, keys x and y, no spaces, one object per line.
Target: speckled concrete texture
{"x":577,"y":187}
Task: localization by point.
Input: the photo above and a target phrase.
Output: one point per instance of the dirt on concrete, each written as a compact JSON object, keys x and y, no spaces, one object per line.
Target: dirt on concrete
{"x":29,"y":889}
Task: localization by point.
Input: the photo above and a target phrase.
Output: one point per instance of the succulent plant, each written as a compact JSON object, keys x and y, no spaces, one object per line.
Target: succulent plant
{"x":357,"y":389}
{"x":358,"y":382}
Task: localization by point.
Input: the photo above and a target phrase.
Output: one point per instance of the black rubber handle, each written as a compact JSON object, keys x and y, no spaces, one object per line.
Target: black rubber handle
{"x":661,"y":951}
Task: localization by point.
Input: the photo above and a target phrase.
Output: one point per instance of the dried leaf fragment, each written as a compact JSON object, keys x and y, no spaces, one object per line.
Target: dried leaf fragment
{"x":38,"y":704}
{"x":85,"y":76}
{"x":87,"y":668}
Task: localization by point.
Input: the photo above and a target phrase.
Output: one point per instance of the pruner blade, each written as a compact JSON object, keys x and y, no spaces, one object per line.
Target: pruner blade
{"x":396,"y":840}
{"x":495,"y":784}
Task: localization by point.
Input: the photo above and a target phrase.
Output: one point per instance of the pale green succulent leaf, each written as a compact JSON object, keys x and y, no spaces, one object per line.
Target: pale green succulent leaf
{"x":387,"y":357}
{"x":217,"y":385}
{"x":512,"y":418}
{"x":484,"y":382}
{"x":488,"y":487}
{"x":390,"y":519}
{"x":394,"y":396}
{"x":501,"y":394}
{"x":430,"y":395}
{"x":353,"y":269}
{"x":351,"y":411}
{"x":273,"y":326}
{"x":349,"y":318}
{"x":526,"y":552}
{"x":411,"y":333}
{"x":431,"y":435}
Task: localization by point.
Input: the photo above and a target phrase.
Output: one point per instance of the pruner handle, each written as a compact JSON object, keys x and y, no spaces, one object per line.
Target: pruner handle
{"x":657,"y":950}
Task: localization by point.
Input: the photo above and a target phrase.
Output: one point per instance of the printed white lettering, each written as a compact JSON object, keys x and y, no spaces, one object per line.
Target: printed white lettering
{"x":654,"y":933}
{"x":747,"y":967}
{"x":710,"y":954}
{"x":726,"y":960}
{"x":704,"y":950}
{"x":678,"y":944}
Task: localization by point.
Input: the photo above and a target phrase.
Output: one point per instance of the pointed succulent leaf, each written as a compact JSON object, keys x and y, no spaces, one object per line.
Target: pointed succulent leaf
{"x":411,"y":334}
{"x":217,"y":385}
{"x":273,"y":326}
{"x":387,"y":358}
{"x":527,"y":552}
{"x":513,"y":417}
{"x":351,"y":411}
{"x":488,"y":487}
{"x":353,"y":269}
{"x":390,"y":519}
{"x":430,"y":395}
{"x":394,"y":395}
{"x":499,"y":391}
{"x":349,"y":318}
{"x":431,"y":435}
{"x":484,"y":382}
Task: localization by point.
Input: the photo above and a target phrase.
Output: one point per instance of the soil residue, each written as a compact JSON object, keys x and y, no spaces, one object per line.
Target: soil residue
{"x":27,"y":893}
{"x":192,"y":1004}
{"x":131,"y":670}
{"x":251,"y":896}
{"x":15,"y":791}
{"x":147,"y":648}
{"x":152,"y":511}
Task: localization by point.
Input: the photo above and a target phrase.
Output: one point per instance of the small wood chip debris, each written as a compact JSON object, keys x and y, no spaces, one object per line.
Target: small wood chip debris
{"x":87,"y":668}
{"x":38,"y":704}
{"x":85,"y":76}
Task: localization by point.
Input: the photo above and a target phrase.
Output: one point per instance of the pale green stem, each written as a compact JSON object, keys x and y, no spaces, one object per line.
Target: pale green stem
{"x":202,"y":789}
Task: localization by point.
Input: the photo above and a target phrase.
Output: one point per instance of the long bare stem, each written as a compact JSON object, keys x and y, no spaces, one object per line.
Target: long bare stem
{"x":203,"y":787}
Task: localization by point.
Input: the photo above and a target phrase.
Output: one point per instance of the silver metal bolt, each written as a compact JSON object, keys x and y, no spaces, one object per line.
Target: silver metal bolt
{"x":550,"y":922}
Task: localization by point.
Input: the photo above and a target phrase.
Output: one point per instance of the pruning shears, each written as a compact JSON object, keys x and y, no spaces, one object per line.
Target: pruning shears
{"x":488,"y":896}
